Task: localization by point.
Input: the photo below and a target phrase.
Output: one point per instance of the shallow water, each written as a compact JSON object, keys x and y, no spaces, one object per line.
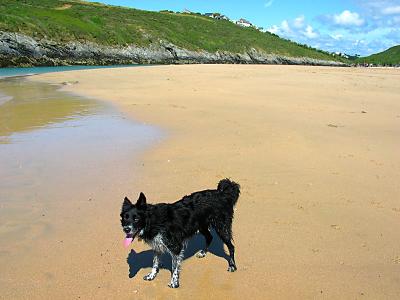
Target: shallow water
{"x":56,"y":149}
{"x":10,"y":72}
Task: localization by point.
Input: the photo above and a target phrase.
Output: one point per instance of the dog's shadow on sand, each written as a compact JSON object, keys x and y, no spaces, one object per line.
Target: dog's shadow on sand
{"x":144,"y":259}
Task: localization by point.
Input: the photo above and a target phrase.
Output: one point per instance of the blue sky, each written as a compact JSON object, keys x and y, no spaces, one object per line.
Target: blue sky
{"x":353,"y":26}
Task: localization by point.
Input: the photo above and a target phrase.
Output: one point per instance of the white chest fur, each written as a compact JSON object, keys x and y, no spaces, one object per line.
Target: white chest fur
{"x":158,"y":245}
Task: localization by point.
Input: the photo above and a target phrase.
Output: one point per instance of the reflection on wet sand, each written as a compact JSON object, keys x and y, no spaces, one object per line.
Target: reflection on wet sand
{"x":65,"y":162}
{"x":35,"y":105}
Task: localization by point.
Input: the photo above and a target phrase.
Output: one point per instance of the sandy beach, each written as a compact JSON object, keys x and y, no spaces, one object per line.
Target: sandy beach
{"x":315,"y":149}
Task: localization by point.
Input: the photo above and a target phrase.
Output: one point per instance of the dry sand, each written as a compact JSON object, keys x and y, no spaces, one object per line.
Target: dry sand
{"x":316,"y":151}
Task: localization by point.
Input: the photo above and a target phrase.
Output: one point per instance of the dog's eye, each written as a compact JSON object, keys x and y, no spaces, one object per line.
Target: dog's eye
{"x":126,"y":216}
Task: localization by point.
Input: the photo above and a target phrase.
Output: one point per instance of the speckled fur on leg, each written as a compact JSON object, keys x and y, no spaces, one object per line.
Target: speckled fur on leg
{"x":176,"y":268}
{"x":155,"y":269}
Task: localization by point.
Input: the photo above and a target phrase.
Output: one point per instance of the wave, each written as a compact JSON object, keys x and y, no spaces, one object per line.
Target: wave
{"x":4,"y":98}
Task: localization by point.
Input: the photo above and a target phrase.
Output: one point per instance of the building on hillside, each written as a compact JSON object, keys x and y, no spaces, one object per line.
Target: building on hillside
{"x":216,"y":16}
{"x":244,"y":23}
{"x":341,"y":54}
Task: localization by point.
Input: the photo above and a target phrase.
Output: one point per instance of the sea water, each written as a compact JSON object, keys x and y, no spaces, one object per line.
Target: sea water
{"x":59,"y":150}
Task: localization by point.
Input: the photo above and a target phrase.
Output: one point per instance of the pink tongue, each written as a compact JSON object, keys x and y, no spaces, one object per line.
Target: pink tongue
{"x":127,"y":242}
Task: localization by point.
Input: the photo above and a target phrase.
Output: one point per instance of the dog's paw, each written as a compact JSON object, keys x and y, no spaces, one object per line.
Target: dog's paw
{"x":201,"y":254}
{"x":232,"y":268}
{"x":173,"y":285}
{"x":149,"y":277}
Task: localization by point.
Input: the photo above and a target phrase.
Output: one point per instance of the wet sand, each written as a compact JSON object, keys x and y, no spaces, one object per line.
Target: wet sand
{"x":58,"y":155}
{"x":315,"y":150}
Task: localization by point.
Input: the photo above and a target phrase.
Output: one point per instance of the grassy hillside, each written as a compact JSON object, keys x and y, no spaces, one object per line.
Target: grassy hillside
{"x":63,"y":21}
{"x":389,"y":57}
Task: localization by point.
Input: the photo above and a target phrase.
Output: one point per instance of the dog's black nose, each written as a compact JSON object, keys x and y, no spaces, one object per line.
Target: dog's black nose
{"x":127,"y":229}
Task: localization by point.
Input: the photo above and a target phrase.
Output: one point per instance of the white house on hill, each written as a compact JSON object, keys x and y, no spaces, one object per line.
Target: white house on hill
{"x":217,"y":16}
{"x":244,"y":23}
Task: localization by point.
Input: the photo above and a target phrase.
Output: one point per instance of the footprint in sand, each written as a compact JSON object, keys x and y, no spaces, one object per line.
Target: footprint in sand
{"x":70,"y":82}
{"x":177,"y":106}
{"x":377,"y":163}
{"x":333,"y":125}
{"x":377,"y":204}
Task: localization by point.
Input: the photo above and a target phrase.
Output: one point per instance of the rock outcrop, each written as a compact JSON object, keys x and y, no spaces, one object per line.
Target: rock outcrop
{"x":21,"y":50}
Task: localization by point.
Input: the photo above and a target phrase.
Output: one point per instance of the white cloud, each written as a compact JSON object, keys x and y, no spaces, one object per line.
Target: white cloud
{"x":373,"y":26}
{"x":391,"y":10}
{"x":299,"y":22}
{"x":337,"y":36}
{"x":269,"y":3}
{"x":310,"y":33}
{"x":348,"y":18}
{"x":274,"y":29}
{"x":285,"y":26}
{"x":294,"y":29}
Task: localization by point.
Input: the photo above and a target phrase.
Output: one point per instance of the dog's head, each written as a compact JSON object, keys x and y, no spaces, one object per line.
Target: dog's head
{"x":133,"y":218}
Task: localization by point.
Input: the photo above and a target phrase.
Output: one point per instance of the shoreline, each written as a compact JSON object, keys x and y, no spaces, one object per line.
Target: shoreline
{"x":318,"y":210}
{"x":22,"y":71}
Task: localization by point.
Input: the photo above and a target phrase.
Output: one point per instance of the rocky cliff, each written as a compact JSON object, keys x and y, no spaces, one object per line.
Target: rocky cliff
{"x":21,"y":50}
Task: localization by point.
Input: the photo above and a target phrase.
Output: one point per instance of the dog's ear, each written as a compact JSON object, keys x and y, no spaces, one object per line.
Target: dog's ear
{"x":127,"y":204}
{"x":141,"y":201}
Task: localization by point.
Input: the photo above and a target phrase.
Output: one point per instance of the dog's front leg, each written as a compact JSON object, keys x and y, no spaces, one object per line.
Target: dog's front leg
{"x":156,"y":267}
{"x":176,"y":268}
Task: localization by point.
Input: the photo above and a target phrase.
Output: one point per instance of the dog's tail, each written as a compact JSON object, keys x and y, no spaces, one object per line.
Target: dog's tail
{"x":231,"y":189}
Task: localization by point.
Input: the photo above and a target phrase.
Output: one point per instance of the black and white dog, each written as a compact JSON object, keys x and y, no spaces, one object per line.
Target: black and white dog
{"x":167,"y":227}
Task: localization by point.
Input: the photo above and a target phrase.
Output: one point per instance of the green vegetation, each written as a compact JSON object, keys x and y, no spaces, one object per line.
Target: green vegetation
{"x":389,"y":57}
{"x":64,"y":21}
